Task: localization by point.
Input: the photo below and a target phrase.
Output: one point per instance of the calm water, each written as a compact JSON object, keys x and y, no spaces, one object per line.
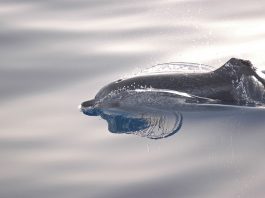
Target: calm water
{"x":55,"y":54}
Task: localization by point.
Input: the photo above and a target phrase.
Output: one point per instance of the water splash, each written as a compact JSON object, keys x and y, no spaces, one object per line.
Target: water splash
{"x":177,"y":67}
{"x":172,"y":67}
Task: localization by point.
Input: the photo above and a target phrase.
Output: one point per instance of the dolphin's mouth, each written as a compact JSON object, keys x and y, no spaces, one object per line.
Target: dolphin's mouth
{"x":88,"y":108}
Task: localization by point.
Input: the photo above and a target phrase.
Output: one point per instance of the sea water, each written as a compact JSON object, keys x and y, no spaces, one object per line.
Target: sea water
{"x":56,"y":54}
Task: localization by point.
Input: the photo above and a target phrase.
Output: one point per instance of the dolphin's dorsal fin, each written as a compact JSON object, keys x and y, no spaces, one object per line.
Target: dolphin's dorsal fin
{"x":235,"y":68}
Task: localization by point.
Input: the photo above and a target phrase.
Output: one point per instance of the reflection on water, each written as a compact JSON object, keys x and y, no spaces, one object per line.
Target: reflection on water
{"x":54,"y":54}
{"x":153,"y":124}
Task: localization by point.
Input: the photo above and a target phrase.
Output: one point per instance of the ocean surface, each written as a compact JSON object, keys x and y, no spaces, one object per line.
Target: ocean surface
{"x":55,"y":54}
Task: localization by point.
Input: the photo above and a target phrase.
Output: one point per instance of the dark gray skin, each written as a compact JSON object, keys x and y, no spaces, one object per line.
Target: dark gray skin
{"x":216,"y":85}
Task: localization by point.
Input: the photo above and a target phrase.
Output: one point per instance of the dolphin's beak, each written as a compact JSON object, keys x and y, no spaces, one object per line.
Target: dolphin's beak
{"x":89,"y":103}
{"x":88,"y":108}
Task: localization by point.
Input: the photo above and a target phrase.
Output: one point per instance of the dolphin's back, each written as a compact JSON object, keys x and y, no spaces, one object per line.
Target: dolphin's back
{"x":218,"y":84}
{"x":208,"y":85}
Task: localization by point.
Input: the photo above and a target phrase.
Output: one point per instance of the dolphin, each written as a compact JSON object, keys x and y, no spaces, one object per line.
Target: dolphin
{"x":222,"y":84}
{"x":151,"y":105}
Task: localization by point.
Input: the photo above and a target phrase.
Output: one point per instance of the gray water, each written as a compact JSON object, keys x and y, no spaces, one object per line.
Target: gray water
{"x":56,"y":54}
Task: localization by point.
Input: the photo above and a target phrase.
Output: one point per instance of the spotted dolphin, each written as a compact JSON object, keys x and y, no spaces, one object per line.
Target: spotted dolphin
{"x":219,"y":85}
{"x":152,"y":105}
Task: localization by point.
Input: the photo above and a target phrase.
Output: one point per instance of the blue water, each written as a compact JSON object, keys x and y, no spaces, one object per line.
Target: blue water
{"x":55,"y":54}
